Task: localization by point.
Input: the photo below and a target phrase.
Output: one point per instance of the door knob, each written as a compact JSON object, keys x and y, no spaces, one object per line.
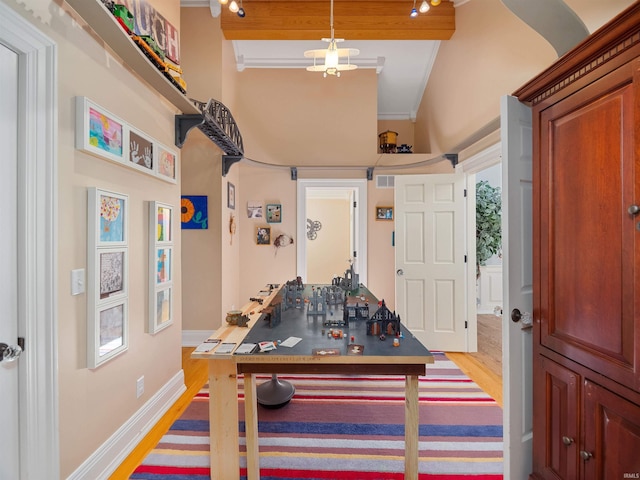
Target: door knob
{"x":400,"y":272}
{"x":633,"y":210}
{"x":567,"y":440}
{"x":525,"y":317}
{"x":585,"y":455}
{"x":9,"y":353}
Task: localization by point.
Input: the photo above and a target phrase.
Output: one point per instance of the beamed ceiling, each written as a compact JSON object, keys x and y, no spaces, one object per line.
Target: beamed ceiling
{"x":353,"y":20}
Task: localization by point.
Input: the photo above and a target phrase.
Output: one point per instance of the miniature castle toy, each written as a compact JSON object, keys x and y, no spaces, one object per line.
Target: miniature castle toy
{"x":350,"y":281}
{"x":292,"y":295}
{"x":383,"y":322}
{"x":317,"y":303}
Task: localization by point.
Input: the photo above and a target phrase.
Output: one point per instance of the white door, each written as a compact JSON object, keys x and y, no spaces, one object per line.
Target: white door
{"x":517,"y":238}
{"x":430,"y":259}
{"x":9,"y":414}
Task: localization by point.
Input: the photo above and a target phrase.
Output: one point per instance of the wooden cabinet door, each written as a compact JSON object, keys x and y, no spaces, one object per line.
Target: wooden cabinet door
{"x":611,"y":444}
{"x":556,"y":421}
{"x":588,"y":179}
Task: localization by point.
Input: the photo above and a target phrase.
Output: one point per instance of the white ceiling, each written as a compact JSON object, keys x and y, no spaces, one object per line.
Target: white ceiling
{"x":403,"y":66}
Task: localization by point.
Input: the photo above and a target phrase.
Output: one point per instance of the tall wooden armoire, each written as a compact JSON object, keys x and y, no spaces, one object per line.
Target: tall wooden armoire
{"x":586,"y":150}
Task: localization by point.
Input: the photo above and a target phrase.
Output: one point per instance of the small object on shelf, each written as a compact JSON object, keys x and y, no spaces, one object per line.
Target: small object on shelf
{"x":233,"y":316}
{"x":404,"y":148}
{"x":388,"y":141}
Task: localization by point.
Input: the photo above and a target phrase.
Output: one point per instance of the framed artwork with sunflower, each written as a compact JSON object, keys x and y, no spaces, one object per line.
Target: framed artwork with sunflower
{"x":194,"y":213}
{"x":107,"y":275}
{"x":160,"y":266}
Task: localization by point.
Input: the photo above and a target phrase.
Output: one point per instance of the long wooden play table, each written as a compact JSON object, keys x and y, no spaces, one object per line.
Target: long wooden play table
{"x":379,"y":358}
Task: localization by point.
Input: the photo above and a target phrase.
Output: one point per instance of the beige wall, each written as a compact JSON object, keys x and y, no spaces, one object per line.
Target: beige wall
{"x":93,"y":404}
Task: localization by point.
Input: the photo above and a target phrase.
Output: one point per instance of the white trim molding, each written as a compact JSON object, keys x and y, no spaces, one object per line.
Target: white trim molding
{"x":104,"y":461}
{"x":37,"y":264}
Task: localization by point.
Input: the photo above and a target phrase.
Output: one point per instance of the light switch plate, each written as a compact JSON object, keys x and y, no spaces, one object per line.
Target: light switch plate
{"x":77,"y":281}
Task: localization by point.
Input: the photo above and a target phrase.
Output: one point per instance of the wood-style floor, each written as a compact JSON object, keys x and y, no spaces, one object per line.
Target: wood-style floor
{"x":483,"y":367}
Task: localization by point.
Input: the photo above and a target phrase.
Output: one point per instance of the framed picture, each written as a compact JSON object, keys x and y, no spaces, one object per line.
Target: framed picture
{"x":193,"y":212}
{"x":109,"y":333}
{"x":274,"y":213}
{"x":384,"y":213}
{"x":231,"y":196}
{"x":112,"y":268}
{"x":254,"y":209}
{"x":99,"y":132}
{"x":163,"y":310}
{"x":166,"y":164}
{"x":160,"y":266}
{"x":107,"y":275}
{"x":263,"y":235}
{"x":141,"y":151}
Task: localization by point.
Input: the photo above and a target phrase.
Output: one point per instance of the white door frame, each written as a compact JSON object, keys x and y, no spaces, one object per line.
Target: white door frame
{"x":360,"y":189}
{"x":37,"y":234}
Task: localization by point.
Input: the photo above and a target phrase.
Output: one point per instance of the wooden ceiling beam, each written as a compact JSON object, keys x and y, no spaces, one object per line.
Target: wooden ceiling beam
{"x":352,"y":20}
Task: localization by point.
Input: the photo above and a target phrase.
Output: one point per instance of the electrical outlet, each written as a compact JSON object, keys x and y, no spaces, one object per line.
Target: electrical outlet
{"x":140,"y":387}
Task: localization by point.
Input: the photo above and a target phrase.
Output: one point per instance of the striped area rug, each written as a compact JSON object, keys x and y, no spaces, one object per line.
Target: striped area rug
{"x":350,"y":427}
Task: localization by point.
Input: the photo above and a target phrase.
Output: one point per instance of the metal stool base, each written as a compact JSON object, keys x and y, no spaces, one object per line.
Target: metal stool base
{"x":275,"y":393}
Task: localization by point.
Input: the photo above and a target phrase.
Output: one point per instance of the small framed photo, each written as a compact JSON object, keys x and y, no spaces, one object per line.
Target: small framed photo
{"x":109,"y":336}
{"x":160,"y":266}
{"x":163,"y":265}
{"x":99,"y":132}
{"x":166,"y":163}
{"x":141,"y":151}
{"x":231,"y":196}
{"x":163,"y":310}
{"x":384,"y":213}
{"x":263,"y":235}
{"x":274,"y":213}
{"x":254,"y":209}
{"x":108,"y":213}
{"x":112,"y":279}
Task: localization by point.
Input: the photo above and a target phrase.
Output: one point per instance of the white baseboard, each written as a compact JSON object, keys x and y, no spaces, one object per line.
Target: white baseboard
{"x":193,"y":338}
{"x":104,"y":461}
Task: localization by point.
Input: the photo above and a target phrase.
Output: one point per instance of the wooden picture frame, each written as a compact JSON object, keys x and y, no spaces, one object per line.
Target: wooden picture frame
{"x":107,"y":275}
{"x":263,"y":235}
{"x":384,"y":213}
{"x":274,"y":213}
{"x":161,"y":255}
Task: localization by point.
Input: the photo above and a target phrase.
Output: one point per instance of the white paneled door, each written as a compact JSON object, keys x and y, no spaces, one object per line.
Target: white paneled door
{"x":517,"y":238}
{"x":9,"y":413}
{"x":430,"y":259}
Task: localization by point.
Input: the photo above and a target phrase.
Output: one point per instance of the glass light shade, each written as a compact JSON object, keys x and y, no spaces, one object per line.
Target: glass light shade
{"x":424,"y":6}
{"x":223,"y":2}
{"x":233,"y":6}
{"x":435,"y":3}
{"x":414,"y":12}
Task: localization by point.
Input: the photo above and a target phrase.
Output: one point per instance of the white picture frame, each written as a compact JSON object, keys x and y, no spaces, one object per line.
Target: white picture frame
{"x":161,"y":262}
{"x":107,"y":275}
{"x":104,"y":135}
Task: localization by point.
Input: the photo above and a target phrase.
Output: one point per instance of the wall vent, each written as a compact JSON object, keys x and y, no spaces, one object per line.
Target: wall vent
{"x":385,"y":181}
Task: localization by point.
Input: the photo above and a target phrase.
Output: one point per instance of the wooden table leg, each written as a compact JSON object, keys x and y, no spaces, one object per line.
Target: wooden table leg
{"x":251,"y":427}
{"x":223,"y":419}
{"x":411,"y":427}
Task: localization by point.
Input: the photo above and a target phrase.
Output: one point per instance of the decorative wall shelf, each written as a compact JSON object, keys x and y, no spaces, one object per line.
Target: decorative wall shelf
{"x":109,"y":30}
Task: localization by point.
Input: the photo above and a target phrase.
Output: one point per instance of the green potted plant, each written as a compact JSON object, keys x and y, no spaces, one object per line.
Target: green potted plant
{"x":488,"y":223}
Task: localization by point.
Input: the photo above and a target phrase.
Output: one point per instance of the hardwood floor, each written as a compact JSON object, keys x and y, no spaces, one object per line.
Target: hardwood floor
{"x":196,"y":374}
{"x":483,"y":367}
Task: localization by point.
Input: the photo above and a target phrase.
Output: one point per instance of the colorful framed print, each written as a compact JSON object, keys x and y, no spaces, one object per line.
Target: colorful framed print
{"x":263,"y":235}
{"x":107,"y":275}
{"x":384,"y":213}
{"x":231,"y":196}
{"x":163,"y":264}
{"x":140,"y":151}
{"x":160,"y":266}
{"x":167,"y":164}
{"x":163,"y":215}
{"x":193,"y":212}
{"x":274,"y":213}
{"x":98,"y":131}
{"x":109,"y":335}
{"x":163,"y":311}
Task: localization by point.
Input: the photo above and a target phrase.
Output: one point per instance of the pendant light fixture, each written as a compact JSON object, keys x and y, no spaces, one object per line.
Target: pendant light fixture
{"x":332,"y":55}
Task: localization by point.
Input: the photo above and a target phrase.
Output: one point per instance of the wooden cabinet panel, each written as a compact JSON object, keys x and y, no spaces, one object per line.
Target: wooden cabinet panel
{"x":587,"y":163}
{"x":558,"y":423}
{"x":611,"y":435}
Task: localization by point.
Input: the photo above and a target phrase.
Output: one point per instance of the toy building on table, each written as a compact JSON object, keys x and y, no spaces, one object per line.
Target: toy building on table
{"x":383,"y":322}
{"x":292,"y":294}
{"x":350,"y":280}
